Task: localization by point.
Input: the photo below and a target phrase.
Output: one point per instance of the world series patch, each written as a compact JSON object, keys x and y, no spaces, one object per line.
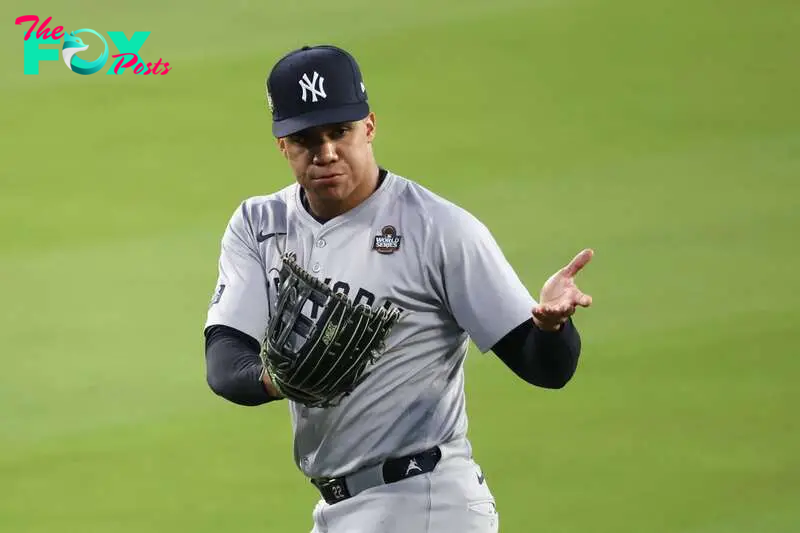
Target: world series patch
{"x":388,"y":241}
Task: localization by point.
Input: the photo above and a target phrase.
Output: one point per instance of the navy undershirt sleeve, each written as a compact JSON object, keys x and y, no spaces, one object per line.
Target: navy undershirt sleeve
{"x":542,"y":358}
{"x":233,"y":366}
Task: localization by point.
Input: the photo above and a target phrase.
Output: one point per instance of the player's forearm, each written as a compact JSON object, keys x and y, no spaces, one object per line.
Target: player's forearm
{"x":545,"y":359}
{"x":233,"y":367}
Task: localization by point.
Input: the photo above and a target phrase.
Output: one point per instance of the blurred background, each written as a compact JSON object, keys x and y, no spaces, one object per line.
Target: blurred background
{"x":664,"y":134}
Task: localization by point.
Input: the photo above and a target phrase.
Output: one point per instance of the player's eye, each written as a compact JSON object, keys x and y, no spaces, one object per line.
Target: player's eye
{"x":340,"y":131}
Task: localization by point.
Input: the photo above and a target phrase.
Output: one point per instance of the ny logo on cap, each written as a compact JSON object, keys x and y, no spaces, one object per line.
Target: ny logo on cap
{"x":314,"y":85}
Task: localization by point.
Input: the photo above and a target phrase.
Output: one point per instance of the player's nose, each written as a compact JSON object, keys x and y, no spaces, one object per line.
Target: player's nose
{"x":326,"y":153}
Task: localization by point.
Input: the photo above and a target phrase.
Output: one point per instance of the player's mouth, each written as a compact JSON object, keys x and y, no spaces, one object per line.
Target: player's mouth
{"x":325,"y":179}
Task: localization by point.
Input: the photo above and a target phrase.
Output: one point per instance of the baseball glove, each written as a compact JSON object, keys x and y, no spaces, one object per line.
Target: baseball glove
{"x":319,"y":362}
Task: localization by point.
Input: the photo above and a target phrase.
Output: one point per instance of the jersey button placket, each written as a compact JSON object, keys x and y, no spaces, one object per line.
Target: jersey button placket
{"x":319,"y":243}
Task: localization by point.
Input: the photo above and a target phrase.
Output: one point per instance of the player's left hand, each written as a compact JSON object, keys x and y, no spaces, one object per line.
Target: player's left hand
{"x":560,"y":297}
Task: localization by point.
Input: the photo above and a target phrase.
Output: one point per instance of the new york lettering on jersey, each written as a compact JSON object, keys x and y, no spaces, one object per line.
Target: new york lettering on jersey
{"x":312,"y":309}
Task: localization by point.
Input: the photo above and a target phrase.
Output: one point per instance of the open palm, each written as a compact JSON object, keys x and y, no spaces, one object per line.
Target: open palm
{"x":560,"y":297}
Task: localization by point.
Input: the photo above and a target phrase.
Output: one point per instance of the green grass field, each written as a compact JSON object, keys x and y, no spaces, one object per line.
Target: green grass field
{"x":665,"y":134}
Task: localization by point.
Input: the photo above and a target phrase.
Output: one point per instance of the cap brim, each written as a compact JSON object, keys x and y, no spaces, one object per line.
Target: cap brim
{"x":348,"y":113}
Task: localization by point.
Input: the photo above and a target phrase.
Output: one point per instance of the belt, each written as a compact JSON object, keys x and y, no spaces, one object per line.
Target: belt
{"x":337,"y":489}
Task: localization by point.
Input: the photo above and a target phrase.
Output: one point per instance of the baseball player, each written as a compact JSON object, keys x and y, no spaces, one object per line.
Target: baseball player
{"x":352,"y":295}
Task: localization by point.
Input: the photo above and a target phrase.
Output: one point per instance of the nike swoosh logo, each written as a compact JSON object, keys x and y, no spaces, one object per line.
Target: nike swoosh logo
{"x":261,"y":237}
{"x":481,"y":478}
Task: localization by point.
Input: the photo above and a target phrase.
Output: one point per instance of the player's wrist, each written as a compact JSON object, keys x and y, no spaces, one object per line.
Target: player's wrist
{"x":550,"y":327}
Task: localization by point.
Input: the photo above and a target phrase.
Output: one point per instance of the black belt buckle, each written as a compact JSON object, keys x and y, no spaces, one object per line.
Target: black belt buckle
{"x":412,"y":465}
{"x":333,"y":490}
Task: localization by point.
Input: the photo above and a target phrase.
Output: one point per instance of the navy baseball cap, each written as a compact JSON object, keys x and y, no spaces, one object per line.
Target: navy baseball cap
{"x":315,"y":85}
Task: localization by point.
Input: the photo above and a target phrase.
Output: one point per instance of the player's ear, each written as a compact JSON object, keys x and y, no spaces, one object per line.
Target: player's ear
{"x":369,"y":123}
{"x":281,"y":143}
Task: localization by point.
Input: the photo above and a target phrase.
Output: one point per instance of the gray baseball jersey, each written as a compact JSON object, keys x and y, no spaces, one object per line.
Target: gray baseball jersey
{"x":404,"y":247}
